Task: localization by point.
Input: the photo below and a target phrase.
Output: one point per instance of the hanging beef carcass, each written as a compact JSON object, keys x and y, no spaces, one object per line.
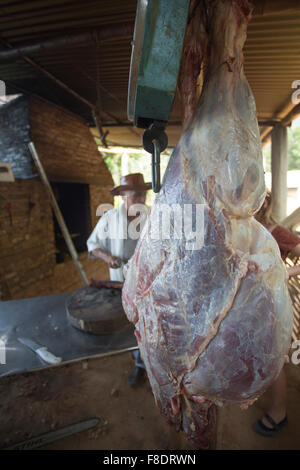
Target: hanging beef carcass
{"x":213,"y":319}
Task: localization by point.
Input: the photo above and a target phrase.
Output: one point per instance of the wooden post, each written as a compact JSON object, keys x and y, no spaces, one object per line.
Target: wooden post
{"x":292,"y":220}
{"x":57,"y":212}
{"x":279,"y":171}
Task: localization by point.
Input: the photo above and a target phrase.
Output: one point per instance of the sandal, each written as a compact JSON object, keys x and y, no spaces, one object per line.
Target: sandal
{"x":261,"y":429}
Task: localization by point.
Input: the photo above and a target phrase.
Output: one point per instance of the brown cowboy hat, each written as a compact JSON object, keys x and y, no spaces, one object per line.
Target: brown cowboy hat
{"x":132,"y":182}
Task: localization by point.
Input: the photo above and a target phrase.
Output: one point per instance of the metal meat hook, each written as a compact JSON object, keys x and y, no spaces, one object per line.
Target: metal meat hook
{"x":155,"y":141}
{"x":156,"y":166}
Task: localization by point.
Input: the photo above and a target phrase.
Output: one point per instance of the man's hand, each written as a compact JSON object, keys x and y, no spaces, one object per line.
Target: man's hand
{"x":112,"y":261}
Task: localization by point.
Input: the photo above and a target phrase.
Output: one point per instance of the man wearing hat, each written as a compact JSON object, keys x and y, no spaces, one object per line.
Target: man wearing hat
{"x":112,"y":240}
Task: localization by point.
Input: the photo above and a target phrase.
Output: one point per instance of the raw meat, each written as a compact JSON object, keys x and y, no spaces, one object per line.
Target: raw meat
{"x":213,"y":323}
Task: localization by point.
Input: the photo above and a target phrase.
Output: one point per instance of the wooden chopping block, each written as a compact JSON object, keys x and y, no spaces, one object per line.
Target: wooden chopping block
{"x":97,"y":310}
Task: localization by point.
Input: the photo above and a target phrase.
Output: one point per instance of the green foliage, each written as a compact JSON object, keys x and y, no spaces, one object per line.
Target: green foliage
{"x":113,"y":162}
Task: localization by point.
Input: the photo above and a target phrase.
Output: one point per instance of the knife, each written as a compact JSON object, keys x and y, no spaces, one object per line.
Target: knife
{"x":41,"y":351}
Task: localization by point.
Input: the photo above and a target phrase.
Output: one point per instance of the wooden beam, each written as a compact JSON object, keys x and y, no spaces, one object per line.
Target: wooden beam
{"x":58,"y":213}
{"x":269,"y":123}
{"x":265,"y":135}
{"x":51,"y":77}
{"x":62,"y":85}
{"x":293,"y":114}
{"x":292,"y":220}
{"x":106,"y":32}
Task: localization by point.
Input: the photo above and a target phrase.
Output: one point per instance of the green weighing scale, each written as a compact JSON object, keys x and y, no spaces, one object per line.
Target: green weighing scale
{"x":155,"y":61}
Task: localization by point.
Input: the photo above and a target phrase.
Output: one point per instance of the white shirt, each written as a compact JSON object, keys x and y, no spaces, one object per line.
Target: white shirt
{"x":111,"y":235}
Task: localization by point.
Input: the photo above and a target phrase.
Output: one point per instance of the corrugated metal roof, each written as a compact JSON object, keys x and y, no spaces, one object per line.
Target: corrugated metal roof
{"x":80,"y":66}
{"x":272,"y":60}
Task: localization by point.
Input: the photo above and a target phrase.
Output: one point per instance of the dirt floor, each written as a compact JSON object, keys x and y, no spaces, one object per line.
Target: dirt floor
{"x":40,"y":401}
{"x":36,"y":402}
{"x":234,"y":429}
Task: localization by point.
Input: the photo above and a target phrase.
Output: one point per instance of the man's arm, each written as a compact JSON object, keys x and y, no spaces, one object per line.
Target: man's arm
{"x":112,"y":261}
{"x":98,"y":247}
